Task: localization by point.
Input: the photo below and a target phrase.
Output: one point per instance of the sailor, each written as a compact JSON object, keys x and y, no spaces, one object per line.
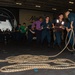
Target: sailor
{"x":58,"y":26}
{"x":38,"y":29}
{"x":46,"y":25}
{"x":71,"y":25}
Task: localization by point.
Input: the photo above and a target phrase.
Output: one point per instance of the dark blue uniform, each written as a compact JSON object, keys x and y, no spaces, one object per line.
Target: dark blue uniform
{"x":71,"y":18}
{"x":57,"y":31}
{"x":46,"y":32}
{"x":17,"y":33}
{"x":30,"y":34}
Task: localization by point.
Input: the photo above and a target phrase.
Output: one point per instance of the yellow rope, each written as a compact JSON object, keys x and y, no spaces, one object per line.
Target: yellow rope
{"x":29,"y":62}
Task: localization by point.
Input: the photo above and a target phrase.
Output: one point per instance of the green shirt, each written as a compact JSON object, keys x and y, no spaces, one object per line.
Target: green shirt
{"x":23,"y":29}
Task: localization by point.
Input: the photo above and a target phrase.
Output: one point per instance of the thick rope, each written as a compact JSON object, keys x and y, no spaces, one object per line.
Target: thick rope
{"x":66,"y":45}
{"x":72,"y":37}
{"x":29,"y":62}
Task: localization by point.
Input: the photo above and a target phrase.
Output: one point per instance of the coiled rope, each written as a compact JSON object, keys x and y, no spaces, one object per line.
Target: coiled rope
{"x":29,"y":62}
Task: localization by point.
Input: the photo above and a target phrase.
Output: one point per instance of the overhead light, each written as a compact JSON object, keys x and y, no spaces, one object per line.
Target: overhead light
{"x":38,"y":6}
{"x":71,"y":2}
{"x":54,"y":9}
{"x":70,"y":9}
{"x":19,"y":3}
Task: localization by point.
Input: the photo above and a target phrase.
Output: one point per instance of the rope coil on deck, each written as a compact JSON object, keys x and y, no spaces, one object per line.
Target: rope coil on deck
{"x":37,"y":62}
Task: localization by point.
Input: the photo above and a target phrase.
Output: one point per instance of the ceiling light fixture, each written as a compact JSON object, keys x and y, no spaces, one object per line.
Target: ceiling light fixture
{"x":19,"y":3}
{"x":54,"y":9}
{"x":71,"y":2}
{"x":70,"y":9}
{"x":38,"y":6}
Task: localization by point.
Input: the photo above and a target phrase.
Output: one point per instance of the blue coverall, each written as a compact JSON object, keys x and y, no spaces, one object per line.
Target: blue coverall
{"x":57,"y":32}
{"x":71,"y":18}
{"x":46,"y":32}
{"x":30,"y":35}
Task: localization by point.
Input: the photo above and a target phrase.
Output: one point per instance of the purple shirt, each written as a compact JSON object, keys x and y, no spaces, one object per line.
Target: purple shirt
{"x":37,"y":24}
